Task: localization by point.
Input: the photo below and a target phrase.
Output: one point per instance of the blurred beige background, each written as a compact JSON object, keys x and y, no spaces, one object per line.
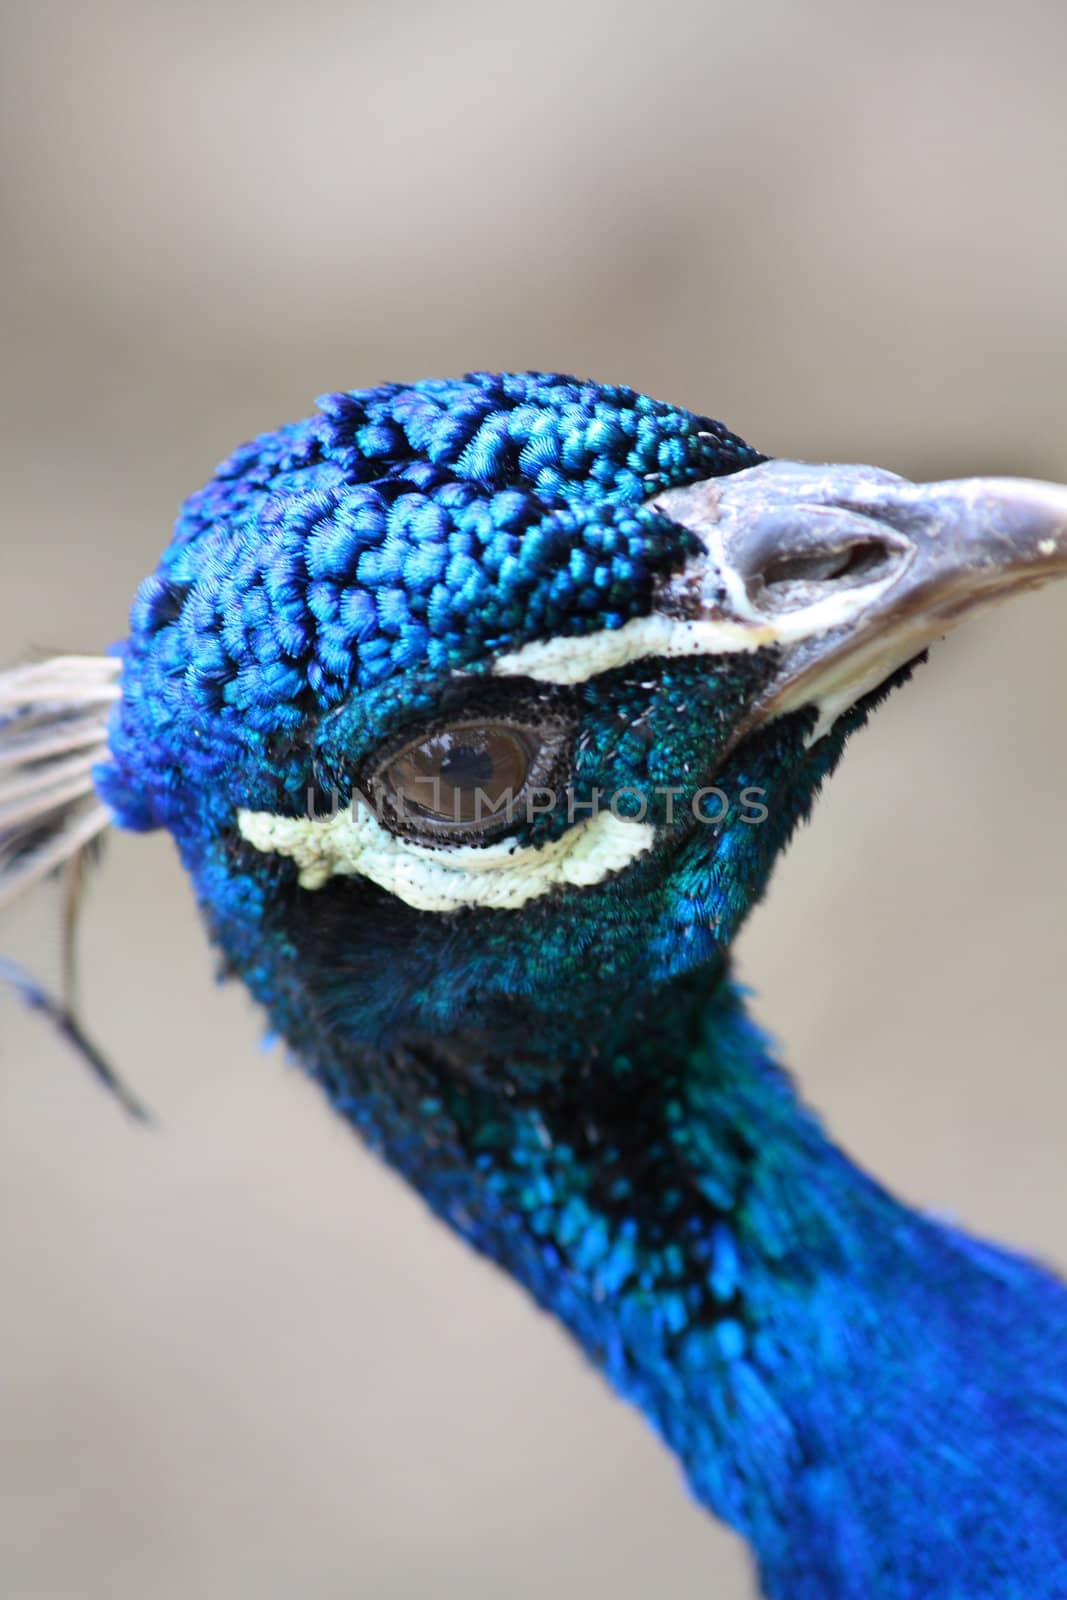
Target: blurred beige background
{"x":235,"y":1358}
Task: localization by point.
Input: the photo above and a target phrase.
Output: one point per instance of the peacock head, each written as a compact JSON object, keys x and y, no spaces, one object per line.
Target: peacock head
{"x":476,"y":706}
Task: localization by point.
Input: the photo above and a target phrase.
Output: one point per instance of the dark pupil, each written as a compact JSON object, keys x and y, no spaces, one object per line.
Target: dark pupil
{"x":467,"y":767}
{"x":466,"y":775}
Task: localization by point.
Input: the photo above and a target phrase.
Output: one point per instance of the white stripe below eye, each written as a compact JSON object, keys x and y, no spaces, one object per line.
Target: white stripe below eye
{"x":500,"y":876}
{"x":576,"y":660}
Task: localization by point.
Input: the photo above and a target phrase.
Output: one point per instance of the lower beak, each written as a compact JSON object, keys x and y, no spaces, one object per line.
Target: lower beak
{"x":852,"y":572}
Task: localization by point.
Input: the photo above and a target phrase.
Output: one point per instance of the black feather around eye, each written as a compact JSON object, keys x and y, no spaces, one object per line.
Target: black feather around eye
{"x":469,"y":782}
{"x":500,"y":740}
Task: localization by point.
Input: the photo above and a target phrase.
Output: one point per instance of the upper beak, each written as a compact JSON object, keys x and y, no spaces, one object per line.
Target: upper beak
{"x":851,"y":572}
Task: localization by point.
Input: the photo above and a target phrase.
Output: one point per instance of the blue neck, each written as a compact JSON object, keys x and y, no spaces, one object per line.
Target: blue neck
{"x":877,"y":1403}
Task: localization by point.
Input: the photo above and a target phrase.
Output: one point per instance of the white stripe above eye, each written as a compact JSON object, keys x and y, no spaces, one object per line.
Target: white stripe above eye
{"x":501,"y":876}
{"x":576,"y":660}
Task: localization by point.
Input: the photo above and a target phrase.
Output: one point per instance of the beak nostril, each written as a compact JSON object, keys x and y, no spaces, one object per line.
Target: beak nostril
{"x":855,"y":562}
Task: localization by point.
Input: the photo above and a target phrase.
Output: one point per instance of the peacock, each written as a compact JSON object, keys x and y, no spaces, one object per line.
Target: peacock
{"x":479,"y":711}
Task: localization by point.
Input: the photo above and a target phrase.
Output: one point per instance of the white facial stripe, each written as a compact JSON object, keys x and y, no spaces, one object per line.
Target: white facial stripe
{"x":579,"y":659}
{"x":502,"y":876}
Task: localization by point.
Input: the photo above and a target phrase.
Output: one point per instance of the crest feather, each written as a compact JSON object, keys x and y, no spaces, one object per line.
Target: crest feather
{"x":53,"y":730}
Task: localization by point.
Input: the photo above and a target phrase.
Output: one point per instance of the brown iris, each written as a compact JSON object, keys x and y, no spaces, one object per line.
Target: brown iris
{"x":468,"y":774}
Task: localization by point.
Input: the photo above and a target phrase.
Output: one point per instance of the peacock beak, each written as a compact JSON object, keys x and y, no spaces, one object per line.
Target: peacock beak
{"x":852,"y":572}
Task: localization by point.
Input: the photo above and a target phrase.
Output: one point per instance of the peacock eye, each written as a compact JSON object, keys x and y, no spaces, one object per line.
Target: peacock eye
{"x":470,"y":781}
